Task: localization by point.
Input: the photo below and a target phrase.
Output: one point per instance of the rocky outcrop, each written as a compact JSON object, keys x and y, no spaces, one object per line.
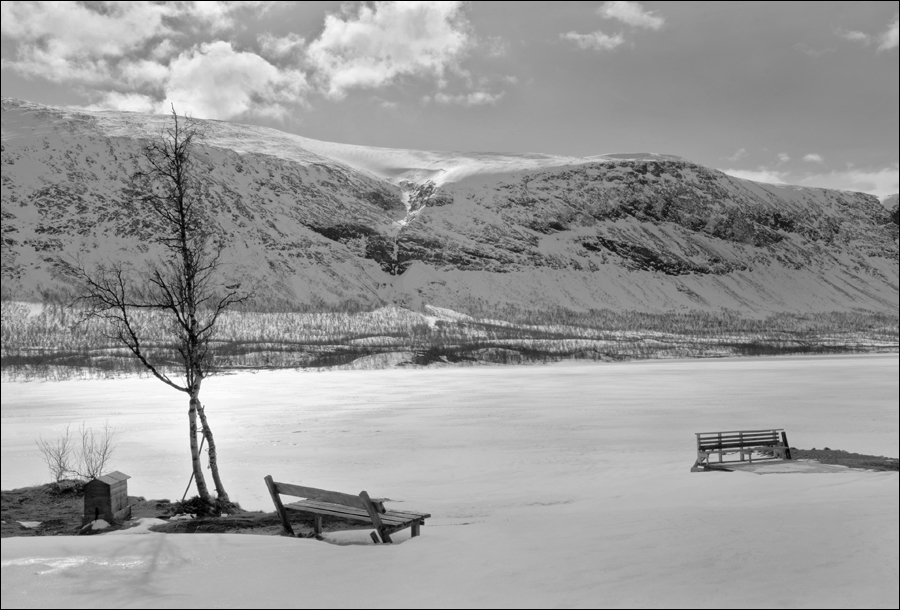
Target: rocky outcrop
{"x":311,"y":222}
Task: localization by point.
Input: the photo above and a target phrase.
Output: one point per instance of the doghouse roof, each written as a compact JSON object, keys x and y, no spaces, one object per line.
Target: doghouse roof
{"x":113,"y":477}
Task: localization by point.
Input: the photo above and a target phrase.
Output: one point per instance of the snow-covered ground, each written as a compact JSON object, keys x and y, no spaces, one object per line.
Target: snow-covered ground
{"x":550,"y":486}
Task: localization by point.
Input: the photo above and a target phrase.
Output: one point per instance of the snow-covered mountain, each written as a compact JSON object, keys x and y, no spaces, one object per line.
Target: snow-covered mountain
{"x":312,"y":221}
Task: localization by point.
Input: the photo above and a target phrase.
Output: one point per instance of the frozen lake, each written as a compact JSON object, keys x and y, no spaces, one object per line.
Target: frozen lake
{"x":563,"y":485}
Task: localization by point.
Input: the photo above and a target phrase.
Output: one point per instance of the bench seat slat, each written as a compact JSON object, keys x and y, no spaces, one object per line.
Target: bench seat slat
{"x":409,"y":514}
{"x":766,"y":443}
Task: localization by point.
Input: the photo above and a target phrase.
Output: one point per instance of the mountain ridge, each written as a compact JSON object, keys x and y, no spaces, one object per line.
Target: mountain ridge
{"x":317,"y":222}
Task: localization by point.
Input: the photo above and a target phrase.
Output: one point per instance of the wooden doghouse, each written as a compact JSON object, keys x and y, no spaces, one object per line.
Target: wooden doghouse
{"x":106,"y":498}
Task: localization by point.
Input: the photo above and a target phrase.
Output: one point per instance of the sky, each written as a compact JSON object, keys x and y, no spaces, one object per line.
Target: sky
{"x":796,"y":92}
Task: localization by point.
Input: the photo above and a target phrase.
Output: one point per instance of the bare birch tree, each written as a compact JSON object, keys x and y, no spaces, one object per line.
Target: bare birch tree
{"x":183,"y":286}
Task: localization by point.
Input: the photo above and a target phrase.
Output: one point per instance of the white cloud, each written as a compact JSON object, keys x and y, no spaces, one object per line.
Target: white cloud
{"x":98,"y":42}
{"x":71,"y":29}
{"x":142,"y":73}
{"x":813,"y":158}
{"x":67,"y":41}
{"x":131,"y":102}
{"x":598,"y":41}
{"x":128,"y":55}
{"x":475,"y":98}
{"x":739,"y":154}
{"x":164,"y":50}
{"x":217,"y":16}
{"x":495,"y":46}
{"x":213,"y":81}
{"x":879,"y":182}
{"x":280,"y":47}
{"x":855,"y":36}
{"x":783,"y":157}
{"x":759,"y":175}
{"x":631,"y":13}
{"x":812,"y":52}
{"x":374,"y":46}
{"x":889,"y":39}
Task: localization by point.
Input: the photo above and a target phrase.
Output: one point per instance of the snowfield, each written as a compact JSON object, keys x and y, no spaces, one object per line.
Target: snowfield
{"x":550,"y":486}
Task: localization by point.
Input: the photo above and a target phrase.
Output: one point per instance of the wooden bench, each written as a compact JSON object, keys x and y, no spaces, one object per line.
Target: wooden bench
{"x":323,"y":503}
{"x":769,"y":444}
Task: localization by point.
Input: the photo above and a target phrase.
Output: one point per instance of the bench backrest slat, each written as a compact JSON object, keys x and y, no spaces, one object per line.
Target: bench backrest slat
{"x":322,"y":495}
{"x":738,"y":431}
{"x":738,"y":436}
{"x":745,"y":437}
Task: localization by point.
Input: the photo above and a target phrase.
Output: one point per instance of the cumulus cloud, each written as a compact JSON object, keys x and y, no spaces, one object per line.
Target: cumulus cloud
{"x":813,"y":158}
{"x":142,"y":73}
{"x":739,"y":154}
{"x":495,"y":46}
{"x":280,"y":47}
{"x":885,"y":41}
{"x":373,"y":46}
{"x":81,"y":41}
{"x":811,"y":51}
{"x":475,"y":98}
{"x":70,"y":28}
{"x":130,"y":102}
{"x":67,"y":41}
{"x":880,"y":182}
{"x":762,"y":174}
{"x":855,"y":36}
{"x":218,"y":16}
{"x":783,"y":157}
{"x":631,"y":13}
{"x":214,"y":81}
{"x":136,"y":56}
{"x":889,"y":39}
{"x":597,"y":41}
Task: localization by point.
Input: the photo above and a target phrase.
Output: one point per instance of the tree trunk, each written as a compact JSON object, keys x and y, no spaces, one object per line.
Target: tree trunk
{"x":202,"y":490}
{"x":211,"y":451}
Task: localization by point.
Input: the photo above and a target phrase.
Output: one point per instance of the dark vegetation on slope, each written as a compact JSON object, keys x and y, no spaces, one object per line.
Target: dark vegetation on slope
{"x":53,"y":341}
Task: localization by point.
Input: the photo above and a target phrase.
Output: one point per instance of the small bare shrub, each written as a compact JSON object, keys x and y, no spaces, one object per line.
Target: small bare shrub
{"x":58,"y":455}
{"x":66,"y":459}
{"x":96,"y":451}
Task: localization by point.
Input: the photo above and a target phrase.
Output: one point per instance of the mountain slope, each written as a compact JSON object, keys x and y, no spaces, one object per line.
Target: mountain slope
{"x":314,"y":222}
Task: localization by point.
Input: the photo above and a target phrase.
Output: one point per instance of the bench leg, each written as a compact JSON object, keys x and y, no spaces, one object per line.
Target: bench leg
{"x":415,"y":529}
{"x":317,"y":524}
{"x":374,"y":537}
{"x":286,"y":529}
